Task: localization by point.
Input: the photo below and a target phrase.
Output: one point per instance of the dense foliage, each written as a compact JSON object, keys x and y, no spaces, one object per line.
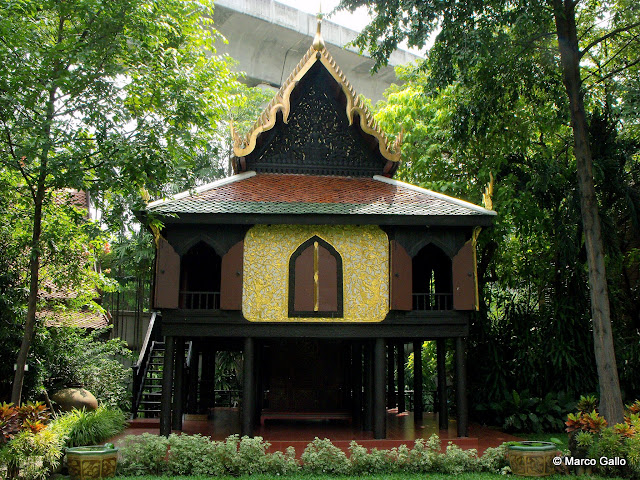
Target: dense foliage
{"x":113,"y":98}
{"x":503,"y":120}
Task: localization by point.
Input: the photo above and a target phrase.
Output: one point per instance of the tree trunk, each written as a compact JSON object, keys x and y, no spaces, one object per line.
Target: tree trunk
{"x":30,"y":324}
{"x":610,"y":397}
{"x":39,"y":191}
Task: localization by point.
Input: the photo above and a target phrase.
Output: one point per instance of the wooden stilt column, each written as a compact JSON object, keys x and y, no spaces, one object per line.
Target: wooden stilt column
{"x":443,"y":411}
{"x":167,"y":386}
{"x":357,"y":383}
{"x":368,"y":388}
{"x":391,"y":383}
{"x":417,"y":381}
{"x":401,"y":399}
{"x":379,"y":412}
{"x":176,"y":419}
{"x":192,"y":399}
{"x":258,"y":381}
{"x":248,"y":387}
{"x":461,"y":387}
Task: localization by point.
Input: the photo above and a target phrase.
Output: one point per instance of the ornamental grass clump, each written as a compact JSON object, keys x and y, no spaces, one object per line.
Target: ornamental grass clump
{"x":82,"y":427}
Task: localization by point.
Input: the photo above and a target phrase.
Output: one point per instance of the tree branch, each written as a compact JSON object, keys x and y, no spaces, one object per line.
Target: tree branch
{"x":612,"y":33}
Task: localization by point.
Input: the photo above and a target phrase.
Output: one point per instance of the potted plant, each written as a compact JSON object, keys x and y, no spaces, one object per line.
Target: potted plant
{"x":92,"y":462}
{"x":532,"y":458}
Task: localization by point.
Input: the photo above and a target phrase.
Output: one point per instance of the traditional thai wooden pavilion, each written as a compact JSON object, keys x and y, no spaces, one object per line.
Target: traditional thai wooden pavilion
{"x":315,"y":263}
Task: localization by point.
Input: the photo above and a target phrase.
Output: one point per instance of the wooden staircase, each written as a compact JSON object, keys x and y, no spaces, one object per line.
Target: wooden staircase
{"x":150,"y":391}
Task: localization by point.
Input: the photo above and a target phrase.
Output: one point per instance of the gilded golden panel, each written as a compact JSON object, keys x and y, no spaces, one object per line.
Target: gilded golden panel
{"x":365,"y":262}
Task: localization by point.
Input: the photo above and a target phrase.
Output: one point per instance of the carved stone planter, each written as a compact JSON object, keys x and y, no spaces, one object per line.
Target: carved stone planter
{"x":532,"y":459}
{"x":93,"y":462}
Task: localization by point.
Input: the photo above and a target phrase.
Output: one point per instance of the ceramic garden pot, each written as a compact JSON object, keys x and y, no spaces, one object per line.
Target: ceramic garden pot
{"x":74,"y":397}
{"x":532,"y":459}
{"x":93,"y":462}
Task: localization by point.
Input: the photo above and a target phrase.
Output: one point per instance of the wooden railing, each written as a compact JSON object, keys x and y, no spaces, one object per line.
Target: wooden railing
{"x":432,"y":301}
{"x":199,"y":300}
{"x":142,"y":365}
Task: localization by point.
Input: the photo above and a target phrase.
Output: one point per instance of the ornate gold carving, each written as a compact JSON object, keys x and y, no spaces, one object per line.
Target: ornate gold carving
{"x":365,"y":264}
{"x":281,"y":102}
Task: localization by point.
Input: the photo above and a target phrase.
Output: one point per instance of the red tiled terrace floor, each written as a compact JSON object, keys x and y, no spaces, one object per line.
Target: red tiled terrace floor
{"x":282,"y":434}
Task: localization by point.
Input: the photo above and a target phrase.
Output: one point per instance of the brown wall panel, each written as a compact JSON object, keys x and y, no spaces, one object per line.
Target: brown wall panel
{"x":464,"y":282}
{"x":304,"y":284}
{"x":401,"y":293}
{"x":167,"y":276}
{"x":231,"y":278}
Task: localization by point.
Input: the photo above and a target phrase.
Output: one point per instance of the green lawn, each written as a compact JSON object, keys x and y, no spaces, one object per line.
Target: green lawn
{"x":396,"y":476}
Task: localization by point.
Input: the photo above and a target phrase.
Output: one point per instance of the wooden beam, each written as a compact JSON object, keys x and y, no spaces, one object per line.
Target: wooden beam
{"x":368,"y":387}
{"x":461,"y":388}
{"x":192,"y":399}
{"x":248,"y":387}
{"x":379,"y":412}
{"x":176,"y":423}
{"x":401,"y":400}
{"x":357,"y":383}
{"x":417,"y":381}
{"x":443,"y":411}
{"x":167,"y":386}
{"x":391,"y":381}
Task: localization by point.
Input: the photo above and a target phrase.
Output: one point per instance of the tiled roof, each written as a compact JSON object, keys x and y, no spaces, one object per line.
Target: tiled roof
{"x":308,"y":194}
{"x":73,"y":318}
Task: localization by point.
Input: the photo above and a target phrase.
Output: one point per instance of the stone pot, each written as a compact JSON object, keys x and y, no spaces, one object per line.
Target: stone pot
{"x":532,"y":459}
{"x":74,"y":397}
{"x":93,"y":462}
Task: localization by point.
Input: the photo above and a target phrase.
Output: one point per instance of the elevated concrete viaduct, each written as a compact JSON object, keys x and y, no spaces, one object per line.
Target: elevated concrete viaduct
{"x":268,"y":38}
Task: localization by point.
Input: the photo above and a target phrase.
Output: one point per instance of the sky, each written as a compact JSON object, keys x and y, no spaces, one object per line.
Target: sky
{"x":355,"y":21}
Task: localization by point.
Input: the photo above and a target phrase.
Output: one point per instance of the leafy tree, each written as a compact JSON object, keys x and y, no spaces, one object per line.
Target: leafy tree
{"x":106,"y":97}
{"x":503,"y":41}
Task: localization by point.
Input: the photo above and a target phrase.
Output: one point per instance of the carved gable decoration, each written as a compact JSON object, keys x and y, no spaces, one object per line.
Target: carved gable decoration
{"x":316,"y":125}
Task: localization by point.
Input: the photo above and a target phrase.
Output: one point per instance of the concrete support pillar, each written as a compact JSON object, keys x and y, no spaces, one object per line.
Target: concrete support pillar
{"x":443,"y":411}
{"x":178,"y":397}
{"x":417,"y":381}
{"x":379,"y":411}
{"x":461,"y":388}
{"x":167,"y":386}
{"x":248,"y":387}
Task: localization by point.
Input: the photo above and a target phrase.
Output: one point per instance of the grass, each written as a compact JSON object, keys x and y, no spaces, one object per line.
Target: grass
{"x":395,"y":476}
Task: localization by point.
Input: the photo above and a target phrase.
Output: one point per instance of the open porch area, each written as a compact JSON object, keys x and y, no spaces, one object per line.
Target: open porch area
{"x":401,"y":429}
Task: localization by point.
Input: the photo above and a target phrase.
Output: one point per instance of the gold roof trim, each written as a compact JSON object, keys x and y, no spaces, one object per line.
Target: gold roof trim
{"x":243,"y":146}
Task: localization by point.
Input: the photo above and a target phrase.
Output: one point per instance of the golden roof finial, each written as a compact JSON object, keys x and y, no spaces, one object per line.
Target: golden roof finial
{"x":318,"y":42}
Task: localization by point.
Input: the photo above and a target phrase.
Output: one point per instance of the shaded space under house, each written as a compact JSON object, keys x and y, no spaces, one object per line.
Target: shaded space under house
{"x":316,"y":265}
